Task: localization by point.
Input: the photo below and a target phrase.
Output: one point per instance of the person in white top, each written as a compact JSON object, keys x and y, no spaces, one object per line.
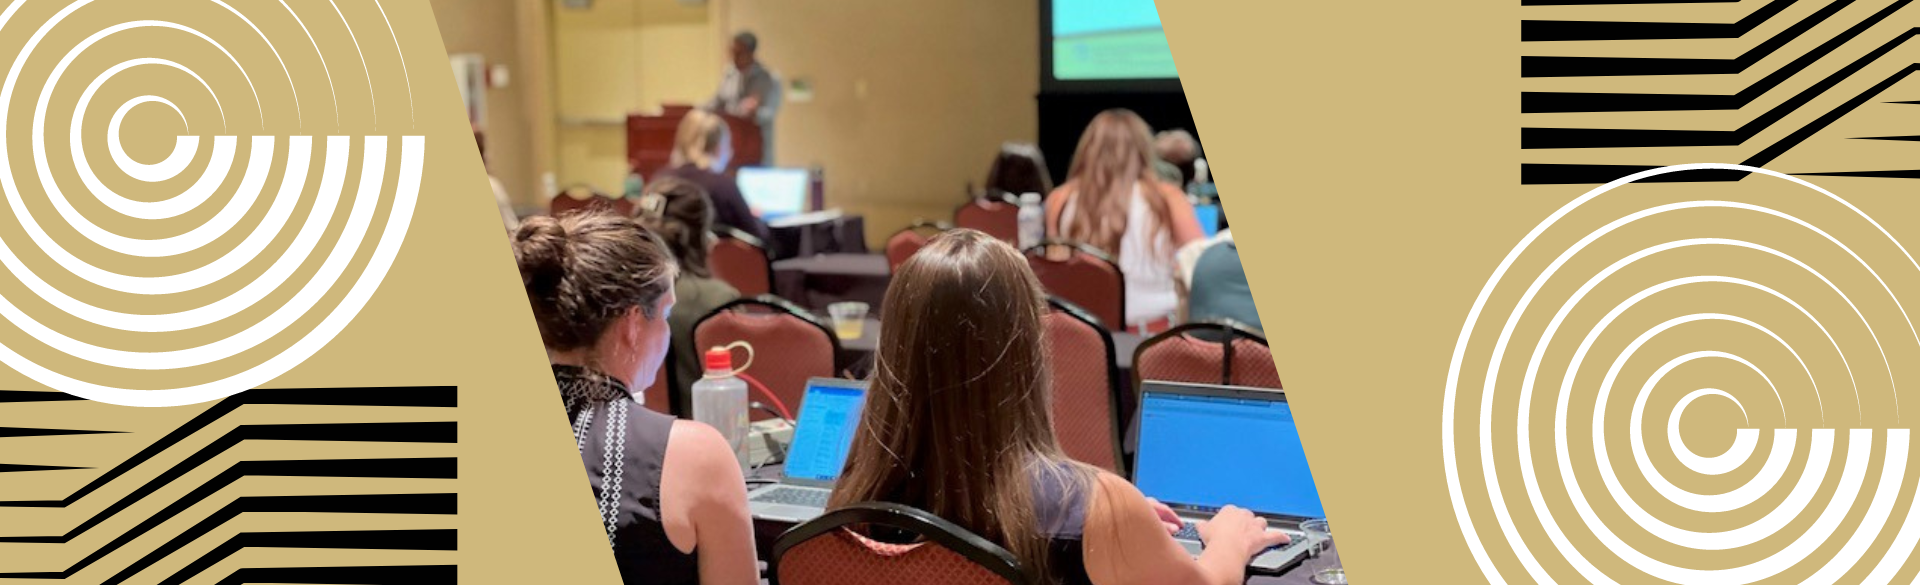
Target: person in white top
{"x":1113,"y":201}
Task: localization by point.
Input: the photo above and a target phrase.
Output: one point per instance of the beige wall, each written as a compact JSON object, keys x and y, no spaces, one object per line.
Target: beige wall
{"x":620,"y":56}
{"x":911,"y":99}
{"x":516,"y":124}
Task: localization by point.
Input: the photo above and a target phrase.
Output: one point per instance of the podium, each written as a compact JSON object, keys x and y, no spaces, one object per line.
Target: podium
{"x":650,"y":140}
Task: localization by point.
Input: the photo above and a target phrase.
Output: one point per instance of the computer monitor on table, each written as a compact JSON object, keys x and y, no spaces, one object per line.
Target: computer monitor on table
{"x":775,"y":192}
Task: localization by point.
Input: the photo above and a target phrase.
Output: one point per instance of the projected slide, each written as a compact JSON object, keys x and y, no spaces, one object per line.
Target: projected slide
{"x":1109,"y":39}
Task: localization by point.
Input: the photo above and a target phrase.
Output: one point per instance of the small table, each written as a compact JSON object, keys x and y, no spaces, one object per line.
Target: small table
{"x":820,"y":280}
{"x":818,"y":233}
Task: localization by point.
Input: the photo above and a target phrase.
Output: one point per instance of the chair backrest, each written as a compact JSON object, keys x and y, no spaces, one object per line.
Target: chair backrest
{"x":658,"y":396}
{"x":741,"y":260}
{"x":1085,"y":387}
{"x":902,"y":244}
{"x":1083,"y":276}
{"x":993,"y":214}
{"x":573,"y":200}
{"x":1213,"y":352}
{"x":828,"y":551}
{"x":789,"y":345}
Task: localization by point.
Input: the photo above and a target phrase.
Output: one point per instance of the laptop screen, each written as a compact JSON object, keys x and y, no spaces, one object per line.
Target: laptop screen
{"x":821,"y":437}
{"x":774,"y":192}
{"x":1209,"y":216}
{"x":1205,"y":452}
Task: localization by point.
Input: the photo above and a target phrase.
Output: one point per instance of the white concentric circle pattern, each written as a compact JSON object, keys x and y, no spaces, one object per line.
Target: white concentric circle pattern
{"x":182,"y":221}
{"x":1697,"y":385}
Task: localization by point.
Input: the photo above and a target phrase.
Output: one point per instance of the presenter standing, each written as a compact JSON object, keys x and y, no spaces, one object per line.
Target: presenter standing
{"x":748,"y":90}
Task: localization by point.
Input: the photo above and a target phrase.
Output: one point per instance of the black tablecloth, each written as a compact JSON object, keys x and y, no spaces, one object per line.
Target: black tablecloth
{"x":817,"y":281}
{"x":845,"y":234}
{"x":767,"y":531}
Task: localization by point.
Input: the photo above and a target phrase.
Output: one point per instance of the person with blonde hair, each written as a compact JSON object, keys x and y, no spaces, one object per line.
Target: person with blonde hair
{"x":1114,"y":201}
{"x":702,"y":149}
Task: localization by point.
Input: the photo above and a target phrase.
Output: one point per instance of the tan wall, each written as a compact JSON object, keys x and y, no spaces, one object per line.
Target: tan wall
{"x":911,"y":99}
{"x":515,"y":122}
{"x":620,"y":56}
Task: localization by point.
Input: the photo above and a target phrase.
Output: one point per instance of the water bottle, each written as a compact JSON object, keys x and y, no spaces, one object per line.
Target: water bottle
{"x":1033,"y":221}
{"x":720,"y":401}
{"x":635,"y":184}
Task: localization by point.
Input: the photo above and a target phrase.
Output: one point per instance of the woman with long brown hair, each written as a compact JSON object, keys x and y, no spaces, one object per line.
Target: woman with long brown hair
{"x":1114,"y":201}
{"x":958,"y":423}
{"x":669,"y":492}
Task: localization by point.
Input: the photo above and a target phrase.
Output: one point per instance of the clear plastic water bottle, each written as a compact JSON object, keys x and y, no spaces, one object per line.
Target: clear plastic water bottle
{"x":1033,"y":221}
{"x":720,"y":401}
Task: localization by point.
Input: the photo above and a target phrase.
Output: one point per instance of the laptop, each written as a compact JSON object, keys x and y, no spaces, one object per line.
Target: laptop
{"x":1202,"y":447}
{"x":829,"y":414}
{"x":1209,"y":216}
{"x":775,"y":192}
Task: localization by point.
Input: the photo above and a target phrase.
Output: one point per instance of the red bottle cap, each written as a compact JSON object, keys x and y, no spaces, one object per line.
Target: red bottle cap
{"x":720,"y":359}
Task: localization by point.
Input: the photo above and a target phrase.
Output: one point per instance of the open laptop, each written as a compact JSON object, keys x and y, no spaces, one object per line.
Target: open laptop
{"x":1203,"y":447}
{"x":775,"y":192}
{"x":829,"y":413}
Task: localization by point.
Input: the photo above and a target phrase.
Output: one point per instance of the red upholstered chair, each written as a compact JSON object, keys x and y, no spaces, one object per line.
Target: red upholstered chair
{"x":579,"y":198}
{"x":790,"y":345}
{"x":1084,"y":276}
{"x":902,"y":244}
{"x":742,"y":261}
{"x":829,"y":551}
{"x":1086,"y":387}
{"x":1215,"y":352}
{"x":997,"y":215}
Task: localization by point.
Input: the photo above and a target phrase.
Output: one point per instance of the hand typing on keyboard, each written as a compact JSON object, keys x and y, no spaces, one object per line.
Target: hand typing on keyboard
{"x":1239,"y":530}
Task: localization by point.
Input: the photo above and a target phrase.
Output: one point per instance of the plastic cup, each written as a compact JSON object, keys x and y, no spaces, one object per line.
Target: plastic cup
{"x":1325,"y":570}
{"x":849,"y":319}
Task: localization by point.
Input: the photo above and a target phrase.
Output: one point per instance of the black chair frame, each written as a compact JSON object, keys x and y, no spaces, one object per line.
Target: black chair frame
{"x":933,"y":528}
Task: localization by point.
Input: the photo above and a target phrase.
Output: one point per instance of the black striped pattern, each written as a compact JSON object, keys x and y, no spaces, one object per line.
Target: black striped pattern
{"x":121,"y":543}
{"x":1800,"y":94}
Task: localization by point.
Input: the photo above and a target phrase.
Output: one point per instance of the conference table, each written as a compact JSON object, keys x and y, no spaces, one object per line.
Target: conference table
{"x":823,"y":279}
{"x":765,"y":532}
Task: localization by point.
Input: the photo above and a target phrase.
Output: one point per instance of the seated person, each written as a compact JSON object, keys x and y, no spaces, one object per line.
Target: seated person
{"x":701,"y":149}
{"x":678,"y":211}
{"x":1018,"y":168}
{"x":1214,"y":281}
{"x":601,"y":287}
{"x":957,"y":423}
{"x":1113,"y":201}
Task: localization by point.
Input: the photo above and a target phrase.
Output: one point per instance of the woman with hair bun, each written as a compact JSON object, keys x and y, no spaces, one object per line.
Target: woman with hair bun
{"x":669,"y":491}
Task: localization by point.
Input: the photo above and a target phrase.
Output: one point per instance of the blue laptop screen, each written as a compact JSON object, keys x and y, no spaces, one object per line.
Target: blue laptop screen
{"x":828,"y":416}
{"x":1209,"y":216}
{"x":1207,"y":452}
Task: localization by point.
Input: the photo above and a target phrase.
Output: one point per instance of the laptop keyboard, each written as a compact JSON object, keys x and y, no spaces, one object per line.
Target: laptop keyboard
{"x":1188,"y":531}
{"x":793,"y":496}
{"x":1191,"y":531}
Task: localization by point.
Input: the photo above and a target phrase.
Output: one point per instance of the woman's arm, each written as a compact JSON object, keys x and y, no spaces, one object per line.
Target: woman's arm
{"x":1126,"y":542}
{"x":1056,"y":203}
{"x":702,"y":486}
{"x":1185,"y":224}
